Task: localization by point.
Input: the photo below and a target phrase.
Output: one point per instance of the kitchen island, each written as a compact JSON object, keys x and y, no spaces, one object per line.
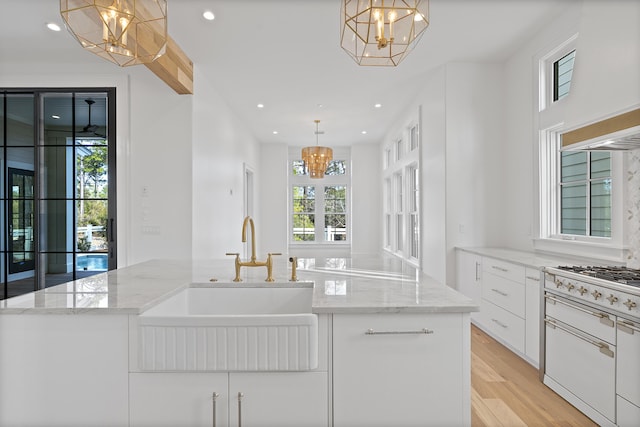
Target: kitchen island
{"x":393,"y":348}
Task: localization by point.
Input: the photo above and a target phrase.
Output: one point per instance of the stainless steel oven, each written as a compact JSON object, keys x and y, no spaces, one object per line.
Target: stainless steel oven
{"x":585,"y":356}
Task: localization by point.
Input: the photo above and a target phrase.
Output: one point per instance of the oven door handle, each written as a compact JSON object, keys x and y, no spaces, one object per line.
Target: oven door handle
{"x":604,"y":318}
{"x":604,"y":348}
{"x":627,"y":326}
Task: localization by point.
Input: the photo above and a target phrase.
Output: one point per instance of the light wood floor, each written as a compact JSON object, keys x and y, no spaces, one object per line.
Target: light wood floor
{"x":506,"y":391}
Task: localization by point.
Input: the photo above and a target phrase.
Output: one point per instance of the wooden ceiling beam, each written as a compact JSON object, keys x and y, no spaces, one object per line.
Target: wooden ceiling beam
{"x":174,"y":68}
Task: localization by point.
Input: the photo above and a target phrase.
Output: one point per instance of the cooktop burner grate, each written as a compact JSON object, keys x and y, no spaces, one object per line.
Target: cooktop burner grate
{"x":624,"y":275}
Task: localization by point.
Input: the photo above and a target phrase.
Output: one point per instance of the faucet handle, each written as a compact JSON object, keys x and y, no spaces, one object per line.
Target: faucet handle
{"x":233,"y":254}
{"x":270,"y":266}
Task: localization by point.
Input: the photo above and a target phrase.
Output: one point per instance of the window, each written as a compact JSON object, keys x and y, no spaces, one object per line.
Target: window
{"x":585,"y":193}
{"x":320,"y":207}
{"x":401,"y":225}
{"x":414,"y":217}
{"x":562,"y":73}
{"x":556,"y":72}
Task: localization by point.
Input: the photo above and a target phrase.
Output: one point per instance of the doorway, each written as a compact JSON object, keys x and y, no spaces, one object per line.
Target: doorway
{"x":58,"y":186}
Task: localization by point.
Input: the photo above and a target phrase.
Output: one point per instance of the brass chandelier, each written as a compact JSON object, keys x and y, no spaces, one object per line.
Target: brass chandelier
{"x":382,"y":32}
{"x":316,"y":158}
{"x":126,"y":32}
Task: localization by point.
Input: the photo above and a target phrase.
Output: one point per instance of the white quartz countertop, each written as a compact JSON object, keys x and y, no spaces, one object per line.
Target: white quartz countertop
{"x":530,"y":259}
{"x":341,"y":285}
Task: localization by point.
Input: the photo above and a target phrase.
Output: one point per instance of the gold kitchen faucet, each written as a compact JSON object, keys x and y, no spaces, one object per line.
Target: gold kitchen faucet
{"x":252,"y":262}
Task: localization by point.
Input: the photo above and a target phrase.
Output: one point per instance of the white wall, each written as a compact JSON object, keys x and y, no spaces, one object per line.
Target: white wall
{"x":366,"y":200}
{"x":221,"y":146}
{"x":462,"y":162}
{"x":273,"y":205}
{"x":475,"y":160}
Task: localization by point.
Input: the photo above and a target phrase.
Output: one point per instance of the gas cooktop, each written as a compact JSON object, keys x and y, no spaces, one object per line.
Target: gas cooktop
{"x":624,"y":275}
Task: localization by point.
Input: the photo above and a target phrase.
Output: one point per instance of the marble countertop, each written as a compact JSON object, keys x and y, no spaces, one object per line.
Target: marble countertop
{"x":341,"y":285}
{"x":529,"y":259}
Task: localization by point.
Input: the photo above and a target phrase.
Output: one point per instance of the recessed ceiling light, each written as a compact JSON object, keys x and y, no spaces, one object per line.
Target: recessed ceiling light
{"x":260,"y":105}
{"x":320,"y":105}
{"x":275,"y":132}
{"x":55,"y":117}
{"x":378,"y":105}
{"x":53,"y":26}
{"x":208,"y":15}
{"x":364,"y":132}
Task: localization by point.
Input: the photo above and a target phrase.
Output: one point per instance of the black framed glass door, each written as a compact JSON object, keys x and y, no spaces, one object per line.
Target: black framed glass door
{"x":58,"y":193}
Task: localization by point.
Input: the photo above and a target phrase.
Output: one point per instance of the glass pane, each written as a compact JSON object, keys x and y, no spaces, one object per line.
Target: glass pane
{"x":298,"y":167}
{"x":335,"y":199}
{"x":399,"y":232}
{"x":91,"y":118}
{"x":92,"y":262}
{"x":600,"y":164}
{"x":574,"y":209}
{"x":387,"y":230}
{"x":20,"y":121}
{"x":414,"y":235}
{"x":57,"y":119}
{"x":601,"y":208}
{"x":573,"y":166}
{"x":563,"y":73}
{"x":91,"y":233}
{"x":91,"y":172}
{"x":1,"y":132}
{"x":20,"y":286}
{"x":413,"y":137}
{"x":336,"y":167}
{"x":335,"y":228}
{"x":56,"y":226}
{"x":304,"y":227}
{"x":57,"y":171}
{"x":303,"y":199}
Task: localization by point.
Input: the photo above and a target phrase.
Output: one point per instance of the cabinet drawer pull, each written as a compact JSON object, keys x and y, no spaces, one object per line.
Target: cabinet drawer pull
{"x":240,"y":396}
{"x":420,"y":332}
{"x":499,"y":323}
{"x":498,"y":291}
{"x":214,"y":397}
{"x":537,"y":279}
{"x":495,"y":267}
{"x":477,"y":271}
{"x":628,"y":327}
{"x":604,"y":348}
{"x":604,"y":318}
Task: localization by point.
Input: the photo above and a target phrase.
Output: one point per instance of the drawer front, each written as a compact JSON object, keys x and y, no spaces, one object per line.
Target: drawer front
{"x":504,"y":269}
{"x":503,"y":324}
{"x":589,"y":320}
{"x":386,"y":370}
{"x":504,"y":293}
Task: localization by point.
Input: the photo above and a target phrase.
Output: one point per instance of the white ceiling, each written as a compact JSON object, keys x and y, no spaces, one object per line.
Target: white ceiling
{"x":286,"y":55}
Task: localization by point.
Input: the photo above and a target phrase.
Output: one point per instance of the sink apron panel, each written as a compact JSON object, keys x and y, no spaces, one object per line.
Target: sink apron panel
{"x":285,"y":342}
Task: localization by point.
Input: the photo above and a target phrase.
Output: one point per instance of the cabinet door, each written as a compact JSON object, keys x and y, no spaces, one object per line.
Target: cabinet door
{"x":282,"y":399}
{"x":398,"y":377}
{"x":178,"y":399}
{"x":533,"y":317}
{"x":469,"y":271}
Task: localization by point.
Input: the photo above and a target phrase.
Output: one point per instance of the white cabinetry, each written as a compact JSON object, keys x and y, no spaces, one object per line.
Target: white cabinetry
{"x":502,"y":309}
{"x":509,"y":298}
{"x":265,"y":399}
{"x":401,"y":369}
{"x":469,"y":274}
{"x":532,"y":319}
{"x":63,"y":370}
{"x":628,"y":373}
{"x":178,"y":399}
